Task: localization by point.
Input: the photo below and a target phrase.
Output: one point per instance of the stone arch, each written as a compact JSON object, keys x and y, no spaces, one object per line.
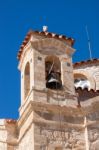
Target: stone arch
{"x":26,"y":79}
{"x":79,"y":75}
{"x":54,"y":59}
{"x":86,"y":75}
{"x":53,"y":70}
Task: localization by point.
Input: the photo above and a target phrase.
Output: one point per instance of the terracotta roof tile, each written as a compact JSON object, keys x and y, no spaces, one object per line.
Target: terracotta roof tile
{"x":91,"y":61}
{"x":46,"y":34}
{"x":11,"y":121}
{"x":91,"y":91}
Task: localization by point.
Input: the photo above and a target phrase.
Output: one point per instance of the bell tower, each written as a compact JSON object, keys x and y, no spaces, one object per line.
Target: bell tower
{"x":45,"y":63}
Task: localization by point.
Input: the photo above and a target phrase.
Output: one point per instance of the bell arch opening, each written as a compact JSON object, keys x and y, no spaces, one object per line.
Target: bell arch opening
{"x":82,"y":81}
{"x":53,"y":72}
{"x":26,"y":80}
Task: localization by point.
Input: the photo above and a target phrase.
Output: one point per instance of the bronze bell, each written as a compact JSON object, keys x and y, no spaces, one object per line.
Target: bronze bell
{"x":53,"y":80}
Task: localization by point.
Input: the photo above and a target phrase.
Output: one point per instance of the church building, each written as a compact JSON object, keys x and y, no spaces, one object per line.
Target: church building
{"x":59,"y":100}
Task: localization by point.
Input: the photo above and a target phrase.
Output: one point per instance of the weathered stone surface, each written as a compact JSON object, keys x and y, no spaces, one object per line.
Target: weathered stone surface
{"x":52,"y":119}
{"x":27,"y":142}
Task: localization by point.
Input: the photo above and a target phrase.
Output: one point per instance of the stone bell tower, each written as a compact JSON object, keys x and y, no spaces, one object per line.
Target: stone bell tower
{"x":47,"y":90}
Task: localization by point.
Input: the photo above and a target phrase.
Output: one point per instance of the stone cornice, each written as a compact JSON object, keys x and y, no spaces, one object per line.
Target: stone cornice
{"x":26,"y":100}
{"x":93,"y":123}
{"x":33,"y":106}
{"x":65,"y":110}
{"x":25,"y":114}
{"x":47,"y":46}
{"x":51,"y":123}
{"x":43,"y":34}
{"x":62,"y":93}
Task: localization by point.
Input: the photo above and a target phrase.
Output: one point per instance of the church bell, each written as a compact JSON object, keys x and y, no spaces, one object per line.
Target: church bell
{"x":53,"y":80}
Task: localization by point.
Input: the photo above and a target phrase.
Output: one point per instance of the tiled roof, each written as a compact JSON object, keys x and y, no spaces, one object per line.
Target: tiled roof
{"x":45,"y":34}
{"x":91,"y":61}
{"x":10,"y":121}
{"x":91,"y":91}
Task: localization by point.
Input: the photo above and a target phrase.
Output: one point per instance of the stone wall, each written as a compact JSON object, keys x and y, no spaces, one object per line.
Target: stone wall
{"x":68,"y":139}
{"x":27,"y":142}
{"x":3,"y":135}
{"x":8,"y":135}
{"x":93,"y":134}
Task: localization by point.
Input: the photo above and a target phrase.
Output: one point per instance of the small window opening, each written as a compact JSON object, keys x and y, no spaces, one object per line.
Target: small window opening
{"x":39,"y":58}
{"x":68,"y":64}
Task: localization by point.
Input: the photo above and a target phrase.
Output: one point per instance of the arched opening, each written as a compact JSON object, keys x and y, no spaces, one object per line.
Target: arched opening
{"x":53,"y":72}
{"x":81,"y":81}
{"x":26,"y":80}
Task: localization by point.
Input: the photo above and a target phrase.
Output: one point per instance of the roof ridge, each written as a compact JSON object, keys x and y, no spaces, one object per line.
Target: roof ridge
{"x":94,"y":60}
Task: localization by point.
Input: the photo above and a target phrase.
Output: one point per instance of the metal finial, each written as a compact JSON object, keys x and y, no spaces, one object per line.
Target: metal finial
{"x":45,"y":28}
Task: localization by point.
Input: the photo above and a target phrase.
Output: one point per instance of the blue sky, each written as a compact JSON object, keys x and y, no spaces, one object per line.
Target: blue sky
{"x":17,"y":17}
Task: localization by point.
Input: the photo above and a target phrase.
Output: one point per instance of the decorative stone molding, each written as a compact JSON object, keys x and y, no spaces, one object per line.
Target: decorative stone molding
{"x":52,"y":46}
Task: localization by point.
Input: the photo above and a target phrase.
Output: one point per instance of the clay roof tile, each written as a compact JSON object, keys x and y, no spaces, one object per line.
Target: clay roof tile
{"x":11,"y":121}
{"x":47,"y":34}
{"x":78,"y":64}
{"x":79,"y":89}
